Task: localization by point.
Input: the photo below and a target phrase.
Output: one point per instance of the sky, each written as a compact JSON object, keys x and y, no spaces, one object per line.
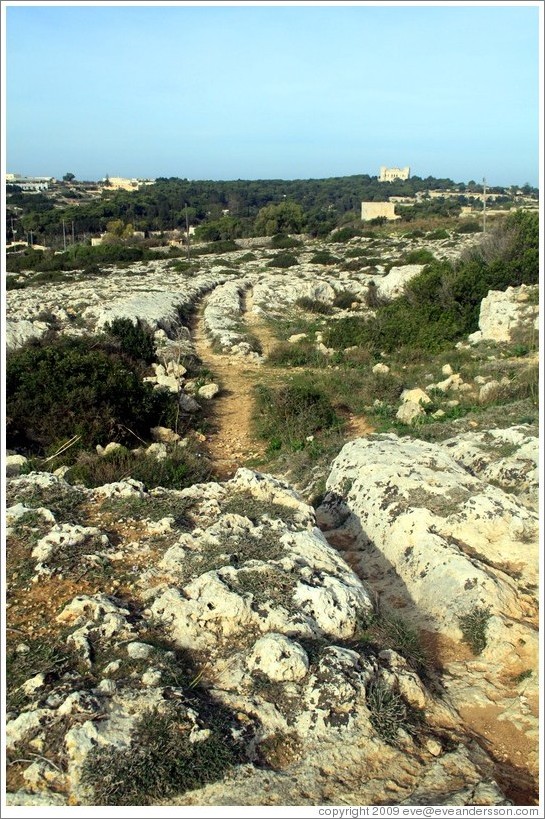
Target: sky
{"x":273,"y":91}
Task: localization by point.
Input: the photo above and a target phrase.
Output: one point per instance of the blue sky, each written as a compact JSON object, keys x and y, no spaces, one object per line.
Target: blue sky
{"x":273,"y":91}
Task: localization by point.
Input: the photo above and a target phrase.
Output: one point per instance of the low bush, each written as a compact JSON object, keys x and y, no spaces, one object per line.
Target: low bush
{"x":324,"y":257}
{"x":283,"y":260}
{"x":62,"y":387}
{"x":344,"y":299}
{"x":421,"y":256}
{"x":134,"y":339}
{"x":221,"y":246}
{"x":344,"y":234}
{"x":281,"y":241}
{"x":288,"y":415}
{"x":469,"y":226}
{"x":348,"y":331}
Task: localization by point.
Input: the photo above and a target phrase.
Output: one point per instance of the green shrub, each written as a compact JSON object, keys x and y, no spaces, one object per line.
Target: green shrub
{"x":348,"y":331}
{"x":356,"y":252}
{"x":283,"y":260}
{"x":282,"y":241}
{"x":62,"y":387}
{"x":134,"y":339}
{"x":324,"y":257}
{"x":288,"y":415}
{"x":344,"y":234}
{"x":469,"y":226}
{"x":421,"y":256}
{"x":440,"y":233}
{"x":221,"y":246}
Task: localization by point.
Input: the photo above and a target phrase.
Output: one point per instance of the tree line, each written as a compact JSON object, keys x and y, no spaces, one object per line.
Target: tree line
{"x":226,"y":209}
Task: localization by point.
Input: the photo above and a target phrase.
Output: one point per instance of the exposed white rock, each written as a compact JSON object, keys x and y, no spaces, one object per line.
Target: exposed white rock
{"x":208,"y":391}
{"x":504,"y":312}
{"x":393,"y":284}
{"x":409,"y":411}
{"x":164,"y":435}
{"x":279,"y":658}
{"x":15,"y":464}
{"x":19,"y":332}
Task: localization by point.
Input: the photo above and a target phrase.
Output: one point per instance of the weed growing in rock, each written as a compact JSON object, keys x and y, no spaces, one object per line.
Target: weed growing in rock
{"x":279,"y":750}
{"x":473,"y":626}
{"x":393,"y":632}
{"x":267,"y":585}
{"x":387,"y":711}
{"x":151,"y":508}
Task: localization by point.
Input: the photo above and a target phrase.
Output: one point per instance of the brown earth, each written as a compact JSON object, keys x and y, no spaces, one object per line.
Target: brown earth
{"x":231,"y":441}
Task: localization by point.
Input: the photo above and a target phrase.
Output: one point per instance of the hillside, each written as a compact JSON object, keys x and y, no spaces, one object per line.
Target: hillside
{"x":272,"y":524}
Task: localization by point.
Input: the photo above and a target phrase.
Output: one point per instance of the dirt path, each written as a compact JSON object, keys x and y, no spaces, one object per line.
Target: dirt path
{"x":230,"y":440}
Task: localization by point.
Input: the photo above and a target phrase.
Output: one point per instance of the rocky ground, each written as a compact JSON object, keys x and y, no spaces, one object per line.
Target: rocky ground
{"x":229,"y":644}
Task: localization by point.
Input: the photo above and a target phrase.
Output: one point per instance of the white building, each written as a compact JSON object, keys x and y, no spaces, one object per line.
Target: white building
{"x":390,"y":174}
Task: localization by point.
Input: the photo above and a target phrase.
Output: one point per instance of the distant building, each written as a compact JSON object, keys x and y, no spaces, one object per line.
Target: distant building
{"x":377,"y":210}
{"x":29,"y":184}
{"x":121,"y":183}
{"x":390,"y":174}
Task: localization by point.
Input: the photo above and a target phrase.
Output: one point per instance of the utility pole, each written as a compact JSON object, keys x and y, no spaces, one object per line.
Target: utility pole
{"x":187,"y":233}
{"x":484,"y":205}
{"x":63,"y":234}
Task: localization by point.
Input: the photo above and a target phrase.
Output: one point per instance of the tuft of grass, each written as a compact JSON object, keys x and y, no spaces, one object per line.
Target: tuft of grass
{"x":160,"y":761}
{"x":473,"y":626}
{"x":302,"y":354}
{"x":387,"y":711}
{"x":288,"y":415}
{"x":314,"y":306}
{"x":244,"y":503}
{"x":179,"y":469}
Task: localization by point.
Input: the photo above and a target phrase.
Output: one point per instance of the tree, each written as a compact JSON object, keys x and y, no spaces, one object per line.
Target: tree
{"x":68,"y":177}
{"x":285,"y":217}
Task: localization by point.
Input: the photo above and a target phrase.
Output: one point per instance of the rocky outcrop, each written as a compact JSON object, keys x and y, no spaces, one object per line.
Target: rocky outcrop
{"x":505,"y":313}
{"x":273,"y":613}
{"x":437,"y":532}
